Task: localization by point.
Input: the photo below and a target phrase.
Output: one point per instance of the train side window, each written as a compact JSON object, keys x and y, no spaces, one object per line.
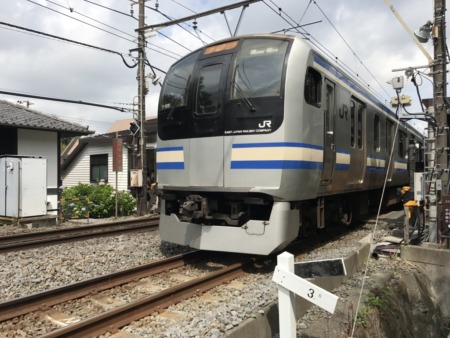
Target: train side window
{"x":376,"y":133}
{"x":313,"y":87}
{"x":352,"y":124}
{"x":389,"y":131}
{"x":360,"y":124}
{"x":208,"y":98}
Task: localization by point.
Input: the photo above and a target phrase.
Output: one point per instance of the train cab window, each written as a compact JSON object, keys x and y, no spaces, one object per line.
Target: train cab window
{"x":174,"y":90}
{"x":259,"y":68}
{"x":313,"y":86}
{"x":376,"y":133}
{"x":208,"y":95}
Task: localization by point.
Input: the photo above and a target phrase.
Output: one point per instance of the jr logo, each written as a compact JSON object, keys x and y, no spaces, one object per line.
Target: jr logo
{"x":264,"y":124}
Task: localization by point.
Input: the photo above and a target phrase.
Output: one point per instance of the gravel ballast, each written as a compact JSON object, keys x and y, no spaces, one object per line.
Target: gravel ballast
{"x":210,"y":315}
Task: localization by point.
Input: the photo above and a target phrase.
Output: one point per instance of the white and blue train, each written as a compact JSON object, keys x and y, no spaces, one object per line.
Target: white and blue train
{"x":260,"y":138}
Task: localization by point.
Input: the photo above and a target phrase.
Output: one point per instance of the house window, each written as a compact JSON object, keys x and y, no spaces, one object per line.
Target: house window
{"x":8,"y":141}
{"x":99,"y":168}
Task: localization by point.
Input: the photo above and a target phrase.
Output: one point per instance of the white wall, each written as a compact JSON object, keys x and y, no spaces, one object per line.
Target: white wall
{"x":41,"y":143}
{"x":79,"y":169}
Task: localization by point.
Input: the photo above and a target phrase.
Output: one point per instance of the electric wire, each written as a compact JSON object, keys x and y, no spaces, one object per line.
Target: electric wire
{"x":308,"y":36}
{"x":48,"y":98}
{"x":112,"y":33}
{"x":185,"y":7}
{"x":186,"y":24}
{"x":351,"y":49}
{"x":171,"y":19}
{"x":304,"y":13}
{"x":84,"y":22}
{"x":72,"y":10}
{"x":111,"y":9}
{"x":375,"y":227}
{"x":67,"y":40}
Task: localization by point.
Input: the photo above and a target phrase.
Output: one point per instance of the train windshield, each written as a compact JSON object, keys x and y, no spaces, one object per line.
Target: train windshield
{"x":258,"y":68}
{"x":177,"y":79}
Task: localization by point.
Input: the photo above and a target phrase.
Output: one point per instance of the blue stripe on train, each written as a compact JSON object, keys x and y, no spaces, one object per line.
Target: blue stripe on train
{"x":275,"y":165}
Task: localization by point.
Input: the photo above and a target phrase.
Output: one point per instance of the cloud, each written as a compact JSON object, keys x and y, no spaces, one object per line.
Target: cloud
{"x":44,"y":66}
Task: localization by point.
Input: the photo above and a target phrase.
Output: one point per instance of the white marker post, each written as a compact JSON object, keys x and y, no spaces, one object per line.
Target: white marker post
{"x":289,"y":284}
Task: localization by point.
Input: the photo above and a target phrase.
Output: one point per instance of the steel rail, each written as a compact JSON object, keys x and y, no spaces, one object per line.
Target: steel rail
{"x":113,"y":320}
{"x":43,"y":300}
{"x":35,"y":239}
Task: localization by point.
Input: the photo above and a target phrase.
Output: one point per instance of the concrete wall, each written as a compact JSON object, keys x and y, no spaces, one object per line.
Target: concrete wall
{"x":266,"y":324}
{"x":436,"y":263}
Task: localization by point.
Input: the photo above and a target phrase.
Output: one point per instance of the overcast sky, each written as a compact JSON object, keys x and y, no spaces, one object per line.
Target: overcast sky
{"x":363,"y":34}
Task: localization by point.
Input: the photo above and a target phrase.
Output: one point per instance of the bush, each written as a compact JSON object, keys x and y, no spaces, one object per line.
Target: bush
{"x":95,"y":201}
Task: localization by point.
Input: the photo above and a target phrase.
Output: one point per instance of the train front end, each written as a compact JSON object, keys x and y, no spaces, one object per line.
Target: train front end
{"x":223,"y":160}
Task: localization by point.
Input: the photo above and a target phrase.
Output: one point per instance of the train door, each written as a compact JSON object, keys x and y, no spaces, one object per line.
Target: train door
{"x":329,"y":153}
{"x":206,"y":159}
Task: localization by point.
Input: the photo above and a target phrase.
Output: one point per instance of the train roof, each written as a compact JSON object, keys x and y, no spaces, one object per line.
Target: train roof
{"x":325,"y":61}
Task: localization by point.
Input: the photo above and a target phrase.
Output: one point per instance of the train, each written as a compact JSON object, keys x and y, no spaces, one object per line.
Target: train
{"x":261,"y":139}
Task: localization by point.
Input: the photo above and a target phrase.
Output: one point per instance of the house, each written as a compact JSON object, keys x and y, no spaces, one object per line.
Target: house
{"x":26,"y":132}
{"x":89,"y":159}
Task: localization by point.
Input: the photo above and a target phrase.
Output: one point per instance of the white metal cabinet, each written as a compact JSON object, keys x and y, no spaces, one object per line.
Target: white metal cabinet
{"x":23,"y":186}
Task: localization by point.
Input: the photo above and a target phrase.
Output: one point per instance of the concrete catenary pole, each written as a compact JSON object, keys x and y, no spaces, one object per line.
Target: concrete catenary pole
{"x":438,"y":185}
{"x":142,"y":91}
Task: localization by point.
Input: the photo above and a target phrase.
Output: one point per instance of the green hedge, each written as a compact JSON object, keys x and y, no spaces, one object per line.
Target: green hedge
{"x":95,"y":201}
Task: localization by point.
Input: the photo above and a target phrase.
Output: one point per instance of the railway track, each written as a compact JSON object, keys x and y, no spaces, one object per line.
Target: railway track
{"x":51,"y":237}
{"x":35,"y":302}
{"x":112,"y":320}
{"x":120,"y":316}
{"x":85,"y":323}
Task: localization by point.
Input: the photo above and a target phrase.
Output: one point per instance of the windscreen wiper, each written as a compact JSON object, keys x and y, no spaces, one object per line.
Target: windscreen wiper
{"x":244,"y":98}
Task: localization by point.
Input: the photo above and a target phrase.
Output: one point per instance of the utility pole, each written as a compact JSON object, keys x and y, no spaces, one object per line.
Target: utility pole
{"x":142,"y":92}
{"x":437,"y":140}
{"x":439,"y":179}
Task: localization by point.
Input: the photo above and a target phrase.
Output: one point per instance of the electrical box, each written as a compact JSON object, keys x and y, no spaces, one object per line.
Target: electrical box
{"x":419,"y":186}
{"x":136,"y":178}
{"x":398,"y":82}
{"x":23,"y":186}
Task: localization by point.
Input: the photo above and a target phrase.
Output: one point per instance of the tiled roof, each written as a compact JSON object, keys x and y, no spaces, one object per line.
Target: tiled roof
{"x":14,"y":115}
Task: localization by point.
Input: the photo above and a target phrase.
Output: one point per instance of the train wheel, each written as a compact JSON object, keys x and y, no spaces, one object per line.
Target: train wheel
{"x":345,"y":212}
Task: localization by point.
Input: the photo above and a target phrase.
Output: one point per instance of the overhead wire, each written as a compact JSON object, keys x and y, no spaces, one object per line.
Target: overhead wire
{"x":308,"y":36}
{"x":185,"y":7}
{"x":67,"y":40}
{"x":184,"y":23}
{"x":72,"y":10}
{"x":351,"y":49}
{"x":111,"y":9}
{"x":63,"y":100}
{"x":112,"y":33}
